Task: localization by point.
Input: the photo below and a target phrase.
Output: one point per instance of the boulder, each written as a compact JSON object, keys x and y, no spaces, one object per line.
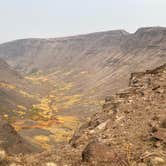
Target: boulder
{"x":99,"y":153}
{"x":163,"y":123}
{"x":157,"y":161}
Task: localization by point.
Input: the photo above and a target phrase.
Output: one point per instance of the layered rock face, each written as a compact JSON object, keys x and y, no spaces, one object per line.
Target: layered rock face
{"x":129,"y":130}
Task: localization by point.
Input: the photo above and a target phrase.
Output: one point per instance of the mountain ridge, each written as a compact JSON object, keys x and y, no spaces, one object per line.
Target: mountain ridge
{"x":122,"y":31}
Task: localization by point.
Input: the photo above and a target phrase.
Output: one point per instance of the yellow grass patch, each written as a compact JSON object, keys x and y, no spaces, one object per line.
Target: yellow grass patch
{"x":7,"y":86}
{"x":21,"y":107}
{"x":46,"y":108}
{"x":37,"y":78}
{"x":43,"y":141}
{"x":84,"y":72}
{"x":25,"y":94}
{"x":70,"y":101}
{"x":66,"y":119}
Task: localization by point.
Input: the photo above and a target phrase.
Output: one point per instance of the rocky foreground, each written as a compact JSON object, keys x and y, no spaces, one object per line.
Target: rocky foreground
{"x":130,"y":130}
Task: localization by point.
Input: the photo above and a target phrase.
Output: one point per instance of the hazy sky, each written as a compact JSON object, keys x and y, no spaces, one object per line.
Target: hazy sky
{"x":54,"y":18}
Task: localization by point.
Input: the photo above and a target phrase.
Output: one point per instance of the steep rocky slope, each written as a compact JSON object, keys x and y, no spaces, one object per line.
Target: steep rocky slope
{"x":131,"y":123}
{"x":129,"y":130}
